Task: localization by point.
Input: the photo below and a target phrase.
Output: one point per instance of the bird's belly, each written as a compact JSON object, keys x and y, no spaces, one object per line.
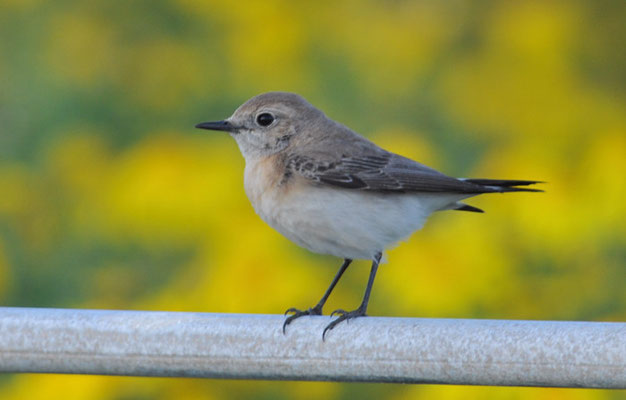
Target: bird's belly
{"x":345,"y":223}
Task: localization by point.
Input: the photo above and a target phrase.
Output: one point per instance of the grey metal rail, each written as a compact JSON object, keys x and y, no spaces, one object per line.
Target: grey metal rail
{"x":238,"y":346}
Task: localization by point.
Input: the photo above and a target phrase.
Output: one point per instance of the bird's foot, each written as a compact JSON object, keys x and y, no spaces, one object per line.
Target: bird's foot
{"x":343,"y":316}
{"x":300,"y":313}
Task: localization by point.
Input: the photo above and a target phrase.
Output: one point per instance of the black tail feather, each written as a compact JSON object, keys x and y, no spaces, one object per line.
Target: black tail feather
{"x":467,"y":207}
{"x":505,"y":185}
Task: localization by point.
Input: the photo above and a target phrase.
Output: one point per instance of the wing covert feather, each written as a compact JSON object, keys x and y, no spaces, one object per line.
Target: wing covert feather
{"x":382,"y":172}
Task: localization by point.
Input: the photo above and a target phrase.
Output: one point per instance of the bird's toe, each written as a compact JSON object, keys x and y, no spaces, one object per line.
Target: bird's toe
{"x":297,"y":313}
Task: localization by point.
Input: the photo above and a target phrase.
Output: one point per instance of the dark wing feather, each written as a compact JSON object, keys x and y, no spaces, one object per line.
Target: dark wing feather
{"x":388,"y":172}
{"x":384,"y":172}
{"x":501,"y":182}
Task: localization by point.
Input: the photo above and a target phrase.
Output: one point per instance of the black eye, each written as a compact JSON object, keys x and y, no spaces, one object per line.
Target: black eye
{"x":265,"y":119}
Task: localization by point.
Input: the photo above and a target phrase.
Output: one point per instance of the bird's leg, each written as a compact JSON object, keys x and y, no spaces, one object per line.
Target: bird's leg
{"x":359,"y":312}
{"x":317,"y":310}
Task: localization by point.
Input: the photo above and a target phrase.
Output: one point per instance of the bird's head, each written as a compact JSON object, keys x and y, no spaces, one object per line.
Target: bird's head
{"x":267,"y":124}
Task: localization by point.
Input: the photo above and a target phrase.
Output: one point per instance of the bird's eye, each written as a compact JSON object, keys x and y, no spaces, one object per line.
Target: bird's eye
{"x":264,"y":119}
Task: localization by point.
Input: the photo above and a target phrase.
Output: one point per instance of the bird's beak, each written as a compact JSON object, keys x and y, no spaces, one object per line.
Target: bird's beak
{"x":217,"y":126}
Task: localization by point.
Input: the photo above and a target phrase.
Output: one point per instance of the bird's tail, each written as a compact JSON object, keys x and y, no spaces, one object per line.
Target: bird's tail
{"x":504,"y":185}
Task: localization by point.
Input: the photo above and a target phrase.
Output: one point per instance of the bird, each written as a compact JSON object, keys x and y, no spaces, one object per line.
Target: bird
{"x":332,"y":191}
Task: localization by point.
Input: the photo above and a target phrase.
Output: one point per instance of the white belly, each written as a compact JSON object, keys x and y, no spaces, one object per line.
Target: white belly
{"x":346,"y":223}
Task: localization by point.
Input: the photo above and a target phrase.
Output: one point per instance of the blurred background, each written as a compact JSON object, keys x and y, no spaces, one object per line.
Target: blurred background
{"x":109,"y":198}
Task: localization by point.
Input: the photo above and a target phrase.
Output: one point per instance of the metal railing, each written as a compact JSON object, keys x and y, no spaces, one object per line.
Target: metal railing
{"x":446,"y":351}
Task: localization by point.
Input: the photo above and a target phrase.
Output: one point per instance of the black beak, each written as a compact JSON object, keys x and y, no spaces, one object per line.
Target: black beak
{"x":217,"y":126}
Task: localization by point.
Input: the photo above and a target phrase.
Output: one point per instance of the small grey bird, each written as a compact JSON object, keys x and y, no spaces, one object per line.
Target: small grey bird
{"x":332,"y":191}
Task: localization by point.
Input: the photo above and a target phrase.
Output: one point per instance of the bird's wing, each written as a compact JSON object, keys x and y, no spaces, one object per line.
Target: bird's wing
{"x":388,"y":172}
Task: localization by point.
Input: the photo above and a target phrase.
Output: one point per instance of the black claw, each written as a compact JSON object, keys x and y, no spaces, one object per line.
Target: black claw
{"x":299,"y":313}
{"x":343,"y":316}
{"x":337,"y":312}
{"x":324,"y":333}
{"x":287,"y":322}
{"x":291,"y":310}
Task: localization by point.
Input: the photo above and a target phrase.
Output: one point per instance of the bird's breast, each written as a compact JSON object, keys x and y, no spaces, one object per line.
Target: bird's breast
{"x":264,"y":185}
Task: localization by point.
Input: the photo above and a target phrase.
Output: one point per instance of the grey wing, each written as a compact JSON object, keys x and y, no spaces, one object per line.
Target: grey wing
{"x":388,"y":172}
{"x":383,"y":172}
